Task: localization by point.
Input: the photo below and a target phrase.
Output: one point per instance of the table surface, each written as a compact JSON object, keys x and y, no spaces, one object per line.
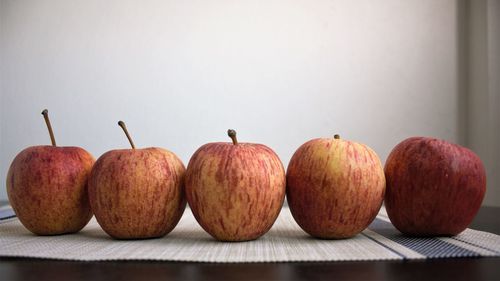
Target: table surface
{"x":438,"y":269}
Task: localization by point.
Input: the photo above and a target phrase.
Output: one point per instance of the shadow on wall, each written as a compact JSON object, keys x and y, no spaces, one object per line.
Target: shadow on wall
{"x":478,"y":86}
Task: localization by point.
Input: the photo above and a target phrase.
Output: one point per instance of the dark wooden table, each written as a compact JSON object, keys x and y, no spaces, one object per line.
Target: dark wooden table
{"x":439,"y":269}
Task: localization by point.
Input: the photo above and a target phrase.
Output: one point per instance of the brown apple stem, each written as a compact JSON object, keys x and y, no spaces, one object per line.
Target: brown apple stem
{"x":232,"y":134}
{"x":336,"y":136}
{"x":122,"y":124}
{"x":45,"y":114}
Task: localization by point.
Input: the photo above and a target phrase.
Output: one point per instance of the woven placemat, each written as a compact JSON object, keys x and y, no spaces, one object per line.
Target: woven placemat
{"x":285,"y":242}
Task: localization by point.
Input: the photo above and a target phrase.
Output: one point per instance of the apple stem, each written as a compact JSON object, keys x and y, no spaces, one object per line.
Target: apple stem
{"x":232,"y":134}
{"x":122,"y":124}
{"x":45,"y":114}
{"x":336,"y":136}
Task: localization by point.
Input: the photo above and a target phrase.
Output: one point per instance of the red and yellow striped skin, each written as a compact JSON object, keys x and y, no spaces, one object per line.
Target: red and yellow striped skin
{"x":47,"y":188}
{"x":137,"y":193}
{"x":335,"y":187}
{"x":235,"y":191}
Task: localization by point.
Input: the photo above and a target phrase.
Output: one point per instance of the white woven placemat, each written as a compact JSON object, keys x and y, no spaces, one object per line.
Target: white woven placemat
{"x":285,"y":242}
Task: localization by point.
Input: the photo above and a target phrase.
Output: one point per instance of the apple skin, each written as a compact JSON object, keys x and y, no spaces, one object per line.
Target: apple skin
{"x":335,"y":187}
{"x":47,"y":188}
{"x":235,"y":191}
{"x":434,"y":187}
{"x":137,"y":193}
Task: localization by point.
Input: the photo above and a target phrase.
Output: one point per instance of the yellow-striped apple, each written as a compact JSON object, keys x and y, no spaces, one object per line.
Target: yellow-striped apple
{"x":47,"y":187}
{"x":137,"y":193}
{"x":235,"y":190}
{"x":434,"y":187}
{"x":335,"y":187}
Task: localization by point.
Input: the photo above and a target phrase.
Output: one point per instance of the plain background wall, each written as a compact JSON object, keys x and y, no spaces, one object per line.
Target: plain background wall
{"x":180,"y":73}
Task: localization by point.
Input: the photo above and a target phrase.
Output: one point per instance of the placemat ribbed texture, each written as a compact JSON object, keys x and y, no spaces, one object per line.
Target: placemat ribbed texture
{"x":285,"y":242}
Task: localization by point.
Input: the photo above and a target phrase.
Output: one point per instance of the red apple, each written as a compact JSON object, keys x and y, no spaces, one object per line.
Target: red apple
{"x":335,"y":187}
{"x":137,"y":193}
{"x":47,"y":187}
{"x":235,"y":190}
{"x":434,"y":188}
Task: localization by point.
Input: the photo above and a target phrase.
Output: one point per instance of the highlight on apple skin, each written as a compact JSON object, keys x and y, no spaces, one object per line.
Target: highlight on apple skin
{"x":47,"y":187}
{"x":137,"y":193}
{"x":434,"y":187}
{"x":235,"y":190}
{"x":335,"y":187}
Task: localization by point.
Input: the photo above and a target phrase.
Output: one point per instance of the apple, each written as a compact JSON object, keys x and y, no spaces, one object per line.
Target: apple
{"x":434,"y":187}
{"x":137,"y":193}
{"x":47,"y":187}
{"x":235,"y":190}
{"x":335,"y":187}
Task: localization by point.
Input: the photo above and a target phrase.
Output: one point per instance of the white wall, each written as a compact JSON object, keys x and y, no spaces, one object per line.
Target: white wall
{"x":180,"y":73}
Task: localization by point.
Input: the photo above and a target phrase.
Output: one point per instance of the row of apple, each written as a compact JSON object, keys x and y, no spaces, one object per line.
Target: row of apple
{"x":334,"y":188}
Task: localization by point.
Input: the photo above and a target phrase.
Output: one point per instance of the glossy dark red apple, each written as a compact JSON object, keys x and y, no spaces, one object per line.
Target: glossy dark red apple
{"x":434,"y":187}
